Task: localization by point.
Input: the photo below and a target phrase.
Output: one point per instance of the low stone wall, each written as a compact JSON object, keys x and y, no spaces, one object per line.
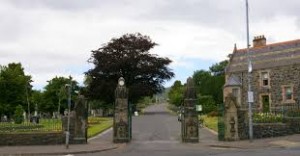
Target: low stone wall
{"x":267,"y":130}
{"x":32,"y":139}
{"x":293,"y":123}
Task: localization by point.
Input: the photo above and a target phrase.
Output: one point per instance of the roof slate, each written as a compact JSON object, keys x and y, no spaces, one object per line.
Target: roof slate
{"x":269,"y":56}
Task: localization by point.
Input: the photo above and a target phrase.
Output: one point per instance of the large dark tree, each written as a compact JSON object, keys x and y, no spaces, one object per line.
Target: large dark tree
{"x":128,"y":57}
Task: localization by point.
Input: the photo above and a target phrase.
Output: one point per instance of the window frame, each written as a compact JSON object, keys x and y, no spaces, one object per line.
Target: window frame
{"x":262,"y":79}
{"x":284,"y":94}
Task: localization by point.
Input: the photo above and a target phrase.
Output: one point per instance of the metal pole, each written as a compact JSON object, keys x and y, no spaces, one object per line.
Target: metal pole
{"x":69,"y":111}
{"x":28,"y":104}
{"x":249,"y":76}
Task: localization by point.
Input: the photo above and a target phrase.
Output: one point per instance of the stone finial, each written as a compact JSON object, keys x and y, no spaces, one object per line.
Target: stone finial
{"x":235,"y":48}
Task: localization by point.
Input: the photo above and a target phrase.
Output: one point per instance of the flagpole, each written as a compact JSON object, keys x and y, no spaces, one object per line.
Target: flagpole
{"x":250,"y":93}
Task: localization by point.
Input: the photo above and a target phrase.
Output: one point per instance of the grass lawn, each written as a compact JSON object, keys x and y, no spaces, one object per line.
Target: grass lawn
{"x":98,"y":125}
{"x":210,"y":122}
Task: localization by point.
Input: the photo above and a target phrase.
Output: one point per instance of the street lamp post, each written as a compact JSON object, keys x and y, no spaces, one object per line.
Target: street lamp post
{"x":250,"y":93}
{"x":69,"y":87}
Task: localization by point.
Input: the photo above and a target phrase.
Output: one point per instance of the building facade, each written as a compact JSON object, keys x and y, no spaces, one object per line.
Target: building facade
{"x":275,"y":76}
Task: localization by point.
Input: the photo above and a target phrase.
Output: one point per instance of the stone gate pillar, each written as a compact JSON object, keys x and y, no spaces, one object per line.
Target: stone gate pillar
{"x":122,"y":125}
{"x":231,"y":118}
{"x":190,"y":131}
{"x":78,"y":122}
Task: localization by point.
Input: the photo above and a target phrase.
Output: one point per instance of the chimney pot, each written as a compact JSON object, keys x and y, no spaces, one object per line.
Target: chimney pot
{"x":259,"y":41}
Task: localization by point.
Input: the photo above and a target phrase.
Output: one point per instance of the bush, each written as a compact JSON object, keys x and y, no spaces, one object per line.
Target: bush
{"x":212,"y":114}
{"x":208,"y":104}
{"x":18,"y":116}
{"x":267,"y":118}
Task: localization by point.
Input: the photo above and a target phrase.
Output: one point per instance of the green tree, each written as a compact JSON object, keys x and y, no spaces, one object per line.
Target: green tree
{"x":37,"y":99}
{"x":210,"y":84}
{"x":219,"y":68}
{"x":55,"y":94}
{"x":203,"y":80}
{"x":127,"y":57}
{"x":208,"y":103}
{"x":175,"y":94}
{"x":14,"y":88}
{"x":18,"y":115}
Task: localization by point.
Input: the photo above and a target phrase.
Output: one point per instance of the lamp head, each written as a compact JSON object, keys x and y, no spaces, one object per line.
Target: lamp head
{"x":121,"y":81}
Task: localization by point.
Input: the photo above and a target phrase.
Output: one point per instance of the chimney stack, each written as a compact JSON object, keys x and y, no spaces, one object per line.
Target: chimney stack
{"x":259,"y":41}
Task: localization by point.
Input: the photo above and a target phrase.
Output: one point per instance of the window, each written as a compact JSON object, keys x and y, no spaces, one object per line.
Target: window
{"x":287,"y":93}
{"x":265,"y":78}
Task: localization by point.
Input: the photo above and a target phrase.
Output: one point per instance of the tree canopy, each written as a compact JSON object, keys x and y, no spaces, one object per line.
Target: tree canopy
{"x":210,"y":85}
{"x":14,"y":88}
{"x":128,"y":57}
{"x":175,"y":94}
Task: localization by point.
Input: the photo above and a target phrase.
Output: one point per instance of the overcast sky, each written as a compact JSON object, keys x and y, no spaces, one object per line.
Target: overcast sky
{"x":55,"y":37}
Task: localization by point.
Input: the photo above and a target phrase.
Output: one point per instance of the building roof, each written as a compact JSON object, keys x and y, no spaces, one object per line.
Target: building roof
{"x":264,"y":57}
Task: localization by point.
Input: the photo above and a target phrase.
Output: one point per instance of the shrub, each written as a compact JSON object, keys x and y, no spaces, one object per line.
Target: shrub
{"x":212,"y":114}
{"x":208,"y":104}
{"x":18,"y":116}
{"x":267,"y":118}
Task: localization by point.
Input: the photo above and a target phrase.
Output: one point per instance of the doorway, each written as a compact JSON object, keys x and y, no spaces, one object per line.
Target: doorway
{"x":265,"y":103}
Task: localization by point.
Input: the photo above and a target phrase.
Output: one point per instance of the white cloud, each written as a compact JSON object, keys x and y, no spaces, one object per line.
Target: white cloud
{"x":55,"y":37}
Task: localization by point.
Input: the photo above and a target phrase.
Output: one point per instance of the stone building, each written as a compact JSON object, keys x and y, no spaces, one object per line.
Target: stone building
{"x":275,"y":76}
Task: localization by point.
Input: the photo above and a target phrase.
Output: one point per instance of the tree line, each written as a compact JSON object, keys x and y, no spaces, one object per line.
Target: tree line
{"x":209,"y":85}
{"x":127,"y":56}
{"x":16,"y":90}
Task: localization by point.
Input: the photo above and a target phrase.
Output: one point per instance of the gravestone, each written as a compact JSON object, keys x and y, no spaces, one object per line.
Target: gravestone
{"x":122,"y":124}
{"x":189,"y":123}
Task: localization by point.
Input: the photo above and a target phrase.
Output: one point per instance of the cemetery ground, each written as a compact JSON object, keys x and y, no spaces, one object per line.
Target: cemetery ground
{"x":157,"y":132}
{"x":96,"y":126}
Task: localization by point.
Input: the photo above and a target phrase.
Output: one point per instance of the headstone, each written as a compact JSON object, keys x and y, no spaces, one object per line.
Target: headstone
{"x":122,"y":124}
{"x":190,"y":131}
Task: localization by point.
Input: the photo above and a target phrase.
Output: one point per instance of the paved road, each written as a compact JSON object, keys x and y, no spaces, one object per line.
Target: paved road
{"x":158,"y":133}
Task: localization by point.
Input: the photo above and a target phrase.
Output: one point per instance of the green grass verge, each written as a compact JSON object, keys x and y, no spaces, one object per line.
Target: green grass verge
{"x":99,"y":127}
{"x":210,"y":122}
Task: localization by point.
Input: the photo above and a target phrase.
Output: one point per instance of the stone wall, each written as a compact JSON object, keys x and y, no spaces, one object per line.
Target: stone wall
{"x":242,"y":116}
{"x":293,"y":123}
{"x":32,"y":139}
{"x":264,"y":130}
{"x":285,"y":75}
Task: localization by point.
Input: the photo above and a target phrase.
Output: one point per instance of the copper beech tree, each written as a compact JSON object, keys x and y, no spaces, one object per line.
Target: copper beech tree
{"x":127,"y":57}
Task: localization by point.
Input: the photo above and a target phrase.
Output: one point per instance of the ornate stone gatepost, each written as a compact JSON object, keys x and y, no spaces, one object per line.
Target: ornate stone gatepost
{"x":232,"y":105}
{"x":122,"y":125}
{"x":190,"y":131}
{"x":81,"y":122}
{"x":78,"y":122}
{"x":230,"y":118}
